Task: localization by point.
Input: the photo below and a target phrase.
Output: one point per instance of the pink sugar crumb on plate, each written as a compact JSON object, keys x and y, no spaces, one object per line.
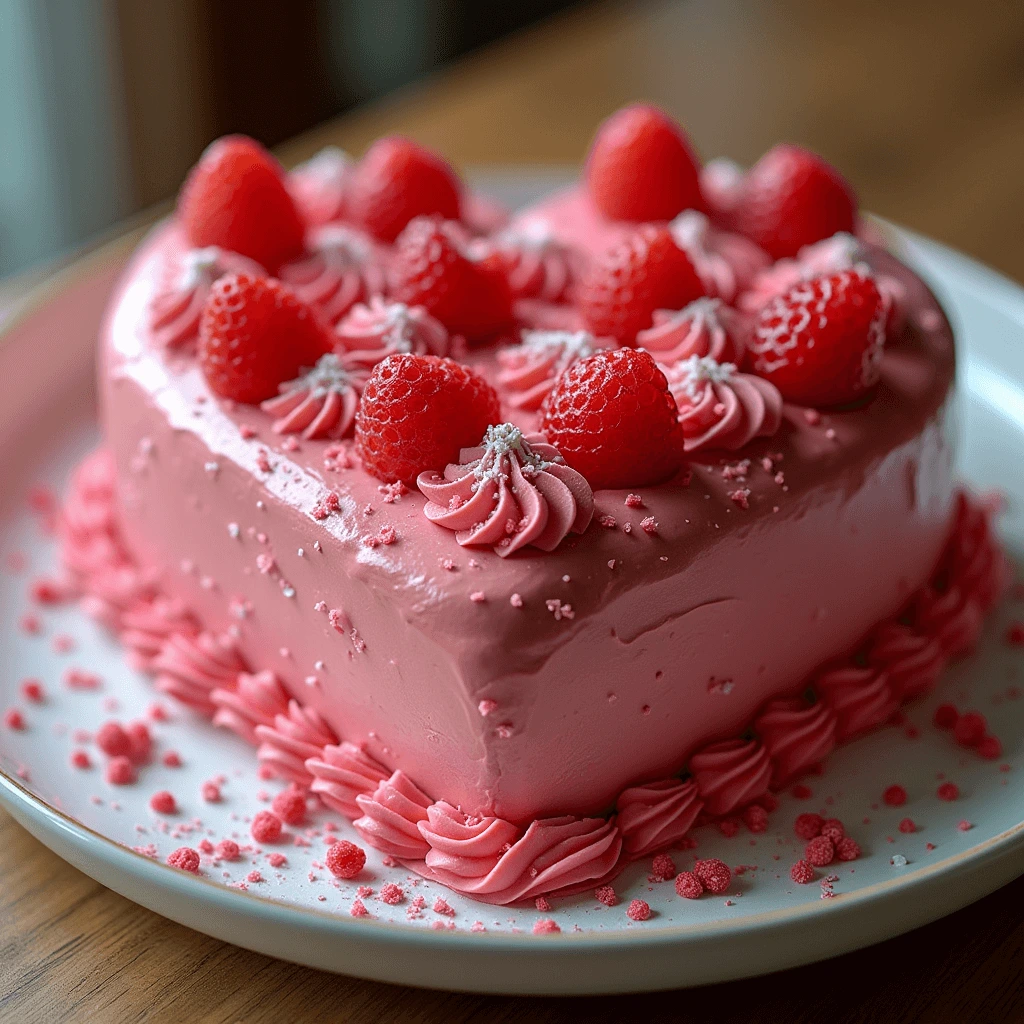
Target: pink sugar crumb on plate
{"x":358,"y":908}
{"x":545,"y":926}
{"x":185,"y":859}
{"x":441,"y":906}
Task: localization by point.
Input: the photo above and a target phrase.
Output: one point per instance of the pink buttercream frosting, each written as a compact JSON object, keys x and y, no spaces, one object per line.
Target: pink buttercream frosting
{"x":177,"y":304}
{"x":720,"y":407}
{"x":706,"y":327}
{"x":373,"y":330}
{"x":512,"y":491}
{"x":860,"y":696}
{"x":726,"y":263}
{"x":731,"y":774}
{"x":529,"y":370}
{"x":911,"y":660}
{"x":257,"y":699}
{"x":292,"y":740}
{"x":796,"y":734}
{"x":147,"y":625}
{"x":322,"y":402}
{"x":654,"y":816}
{"x":341,"y":268}
{"x":390,"y":816}
{"x":319,"y":186}
{"x":343,"y":772}
{"x":539,"y":267}
{"x":190,"y":668}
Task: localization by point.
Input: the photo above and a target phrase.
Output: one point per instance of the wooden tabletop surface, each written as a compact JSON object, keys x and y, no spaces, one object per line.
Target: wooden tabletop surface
{"x":922,"y":104}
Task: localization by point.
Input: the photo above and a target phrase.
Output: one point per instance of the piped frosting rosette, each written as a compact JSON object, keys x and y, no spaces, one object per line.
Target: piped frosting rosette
{"x":372,"y":331}
{"x":512,"y":491}
{"x":322,"y":402}
{"x":319,"y":185}
{"x":720,"y":407}
{"x":341,"y":268}
{"x":176,"y":306}
{"x":706,"y":327}
{"x":727,"y":264}
{"x":539,"y":267}
{"x":529,"y":370}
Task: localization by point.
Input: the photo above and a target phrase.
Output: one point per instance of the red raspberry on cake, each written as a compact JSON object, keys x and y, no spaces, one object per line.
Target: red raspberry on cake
{"x":626,"y":284}
{"x":614,"y":420}
{"x":236,"y":198}
{"x":641,"y":167}
{"x":431,"y":269}
{"x":418,"y":412}
{"x":821,"y":342}
{"x":791,"y":198}
{"x":254,"y":334}
{"x":397,"y":180}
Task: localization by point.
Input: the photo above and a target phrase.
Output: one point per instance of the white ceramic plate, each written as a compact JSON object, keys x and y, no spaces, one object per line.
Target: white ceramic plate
{"x":299,"y":912}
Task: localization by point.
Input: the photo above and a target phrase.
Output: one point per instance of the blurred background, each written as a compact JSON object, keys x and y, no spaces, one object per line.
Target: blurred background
{"x":107,"y":103}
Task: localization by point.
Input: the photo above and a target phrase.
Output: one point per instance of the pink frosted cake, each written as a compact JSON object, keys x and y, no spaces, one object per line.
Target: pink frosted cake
{"x":528,"y":543}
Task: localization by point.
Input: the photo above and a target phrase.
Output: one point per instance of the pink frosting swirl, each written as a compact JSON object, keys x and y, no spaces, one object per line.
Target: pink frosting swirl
{"x":341,"y":268}
{"x":512,"y":491}
{"x":291,"y":741}
{"x":554,"y":856}
{"x":654,"y":816}
{"x":912,"y":661}
{"x":320,"y":185}
{"x":177,"y":304}
{"x":322,"y":403}
{"x":860,"y":696}
{"x":529,"y":370}
{"x":796,"y":734}
{"x":951,"y":617}
{"x":341,"y":773}
{"x":391,"y":814}
{"x":189,"y":668}
{"x":146,"y":625}
{"x":371,"y":332}
{"x":975,"y":561}
{"x":730,"y":774}
{"x":538,"y":266}
{"x":720,"y":407}
{"x":257,"y":700}
{"x":727,"y":264}
{"x":706,"y":327}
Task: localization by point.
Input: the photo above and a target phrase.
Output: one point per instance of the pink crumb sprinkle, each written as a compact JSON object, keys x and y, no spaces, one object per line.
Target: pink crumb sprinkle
{"x":606,"y":895}
{"x":965,"y":826}
{"x":78,"y":679}
{"x":141,"y":742}
{"x":663,"y":867}
{"x":80,"y":759}
{"x":650,"y":526}
{"x":729,"y":827}
{"x":948,"y":791}
{"x":163,"y":802}
{"x":808,"y":826}
{"x":265,"y":827}
{"x":820,"y":851}
{"x":391,"y":894}
{"x":740,"y":497}
{"x":755,"y":817}
{"x":714,"y":874}
{"x":254,"y":876}
{"x":441,"y":906}
{"x":345,"y":859}
{"x":634,"y":501}
{"x":112,"y":739}
{"x":638,"y":910}
{"x":946,"y":716}
{"x":32,"y":691}
{"x":689,"y":886}
{"x":210,"y":792}
{"x":545,"y":926}
{"x":478,"y":597}
{"x":894,"y":796}
{"x":516,"y":601}
{"x":171,"y":759}
{"x":205,"y":846}
{"x":802,"y":792}
{"x":970,"y":729}
{"x":801,"y":872}
{"x":834,"y":830}
{"x":277,"y":860}
{"x":14,"y":719}
{"x":157,"y":712}
{"x":990,"y":748}
{"x":30,"y":624}
{"x":541,"y":903}
{"x":290,"y":806}
{"x":847,"y":849}
{"x":486,"y":706}
{"x":228,"y":849}
{"x":120,"y":771}
{"x":185,"y":858}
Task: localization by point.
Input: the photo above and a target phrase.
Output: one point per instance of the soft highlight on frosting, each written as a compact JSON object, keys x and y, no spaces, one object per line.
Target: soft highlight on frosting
{"x":538,"y":266}
{"x":374,"y":330}
{"x":322,"y":402}
{"x":529,"y":370}
{"x":512,"y":491}
{"x":319,"y":186}
{"x":706,"y":327}
{"x":343,"y":772}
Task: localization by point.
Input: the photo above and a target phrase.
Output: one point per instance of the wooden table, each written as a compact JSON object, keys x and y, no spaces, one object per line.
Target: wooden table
{"x":923,"y":106}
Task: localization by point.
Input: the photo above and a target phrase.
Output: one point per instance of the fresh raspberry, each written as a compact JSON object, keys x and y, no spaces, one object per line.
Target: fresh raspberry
{"x":612,"y":418}
{"x":227,"y":849}
{"x":847,"y":849}
{"x":948,"y":791}
{"x":255,"y":334}
{"x":185,"y":859}
{"x":990,"y":748}
{"x":113,"y":740}
{"x":120,"y":771}
{"x":946,"y":716}
{"x":808,"y":826}
{"x":236,"y":198}
{"x":397,"y":180}
{"x":417,"y":412}
{"x":290,"y":806}
{"x":834,"y":830}
{"x":641,"y":167}
{"x":689,"y":886}
{"x":791,"y":198}
{"x":755,"y":817}
{"x":821,"y":342}
{"x":801,"y":872}
{"x":638,"y":910}
{"x":894,"y":796}
{"x":431,"y":269}
{"x":970,"y":729}
{"x":663,"y":867}
{"x":345,"y":859}
{"x":625,"y":285}
{"x":265,"y":827}
{"x":163,"y":802}
{"x":714,"y":875}
{"x":820,"y":851}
